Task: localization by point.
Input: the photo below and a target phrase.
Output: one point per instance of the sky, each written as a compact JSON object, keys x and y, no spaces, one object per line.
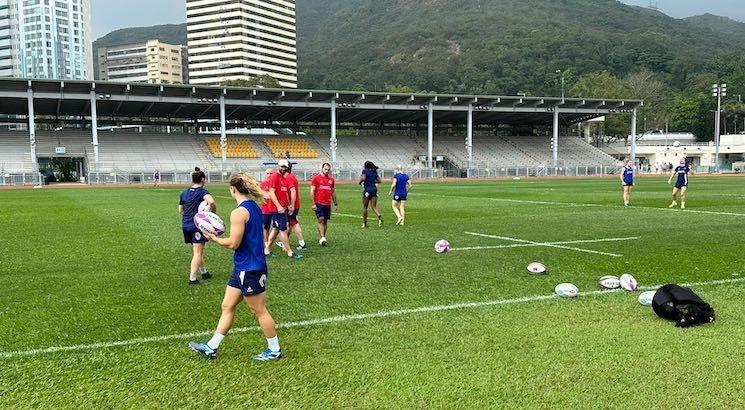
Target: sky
{"x":109,"y":15}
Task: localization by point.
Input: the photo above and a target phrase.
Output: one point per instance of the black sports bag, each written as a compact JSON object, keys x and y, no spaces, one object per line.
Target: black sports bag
{"x":682,"y":305}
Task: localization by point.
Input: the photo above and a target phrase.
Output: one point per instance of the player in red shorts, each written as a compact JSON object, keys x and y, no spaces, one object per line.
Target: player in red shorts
{"x":322,"y":190}
{"x":294,"y":186}
{"x":279,"y":205}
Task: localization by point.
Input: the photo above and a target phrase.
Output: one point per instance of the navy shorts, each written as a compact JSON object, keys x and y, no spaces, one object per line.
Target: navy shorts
{"x":323,"y":211}
{"x":249,"y":282}
{"x":370,"y":193}
{"x":267,"y":221}
{"x":279,"y":220}
{"x":293,"y":217}
{"x":399,"y":198}
{"x":193,"y":235}
{"x":680,"y":186}
{"x":628,"y":184}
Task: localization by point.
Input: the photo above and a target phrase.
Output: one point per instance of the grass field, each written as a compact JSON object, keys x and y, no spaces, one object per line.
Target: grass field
{"x":96,"y":312}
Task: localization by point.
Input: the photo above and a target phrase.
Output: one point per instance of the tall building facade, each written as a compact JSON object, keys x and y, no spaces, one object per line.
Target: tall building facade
{"x":149,"y":62}
{"x":241,"y":39}
{"x":46,"y":39}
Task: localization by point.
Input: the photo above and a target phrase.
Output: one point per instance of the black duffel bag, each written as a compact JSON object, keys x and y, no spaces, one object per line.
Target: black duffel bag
{"x":682,"y":305}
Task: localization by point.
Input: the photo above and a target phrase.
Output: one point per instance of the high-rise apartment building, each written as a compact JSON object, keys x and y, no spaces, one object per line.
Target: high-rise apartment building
{"x":241,"y":39}
{"x":46,"y":39}
{"x":151,"y":62}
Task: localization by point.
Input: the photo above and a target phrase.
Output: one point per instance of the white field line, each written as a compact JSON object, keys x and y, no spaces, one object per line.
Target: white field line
{"x":526,"y":245}
{"x":336,"y":319}
{"x":553,"y":244}
{"x":574,"y":204}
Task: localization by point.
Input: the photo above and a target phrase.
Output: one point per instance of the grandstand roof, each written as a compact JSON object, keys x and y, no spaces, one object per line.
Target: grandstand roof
{"x":174,"y":103}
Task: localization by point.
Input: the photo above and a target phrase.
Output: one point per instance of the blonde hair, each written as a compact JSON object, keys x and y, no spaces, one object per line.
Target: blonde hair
{"x":246,"y":184}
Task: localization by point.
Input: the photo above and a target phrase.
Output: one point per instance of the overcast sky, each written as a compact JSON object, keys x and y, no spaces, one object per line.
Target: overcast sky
{"x":109,"y":15}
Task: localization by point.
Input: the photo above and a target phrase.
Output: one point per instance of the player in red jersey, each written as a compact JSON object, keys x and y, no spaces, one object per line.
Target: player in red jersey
{"x":279,"y":205}
{"x":265,"y":207}
{"x":322,"y":190}
{"x":294,"y":187}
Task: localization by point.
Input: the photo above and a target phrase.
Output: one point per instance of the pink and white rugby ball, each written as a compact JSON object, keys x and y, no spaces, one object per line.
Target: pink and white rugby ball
{"x":537,"y":268}
{"x":609,"y":282}
{"x":209,"y":222}
{"x":628,"y":282}
{"x":442,"y":246}
{"x":566,"y":290}
{"x":204,"y":207}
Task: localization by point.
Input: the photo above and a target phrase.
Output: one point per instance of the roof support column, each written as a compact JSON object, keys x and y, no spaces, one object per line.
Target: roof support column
{"x":94,"y":129}
{"x":430,"y":134}
{"x":332,"y":140}
{"x":633,"y":136}
{"x":469,"y":138}
{"x":223,"y":135}
{"x":32,"y":129}
{"x":555,"y":140}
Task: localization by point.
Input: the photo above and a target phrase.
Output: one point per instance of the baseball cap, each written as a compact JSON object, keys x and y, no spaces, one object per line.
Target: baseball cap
{"x":283,"y":163}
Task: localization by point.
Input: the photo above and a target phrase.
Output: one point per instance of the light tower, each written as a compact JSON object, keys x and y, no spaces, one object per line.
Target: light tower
{"x":718,"y":91}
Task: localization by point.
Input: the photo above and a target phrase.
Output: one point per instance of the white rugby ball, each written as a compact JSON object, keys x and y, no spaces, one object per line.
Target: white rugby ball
{"x":442,"y":246}
{"x":209,"y":222}
{"x":628,"y":282}
{"x":646,"y":297}
{"x":537,"y":268}
{"x":609,"y":282}
{"x":204,"y":207}
{"x":566,"y":290}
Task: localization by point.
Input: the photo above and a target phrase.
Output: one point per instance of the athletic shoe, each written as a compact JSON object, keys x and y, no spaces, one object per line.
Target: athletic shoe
{"x":380,"y":222}
{"x":267,"y":354}
{"x":682,"y":206}
{"x":301,"y":247}
{"x":364,"y":225}
{"x":206,"y":275}
{"x":280,"y":244}
{"x":296,"y":256}
{"x":400,"y":221}
{"x":195,"y":282}
{"x":673,"y":205}
{"x":203,"y":349}
{"x":322,"y":241}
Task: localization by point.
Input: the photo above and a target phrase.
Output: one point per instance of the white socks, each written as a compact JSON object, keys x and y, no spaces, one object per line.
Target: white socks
{"x":202,"y":270}
{"x":273,"y":344}
{"x":214,"y":343}
{"x":192,"y":276}
{"x":301,"y":243}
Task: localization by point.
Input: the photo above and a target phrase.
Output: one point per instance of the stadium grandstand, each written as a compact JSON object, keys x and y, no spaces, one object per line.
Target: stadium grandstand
{"x":113,"y":132}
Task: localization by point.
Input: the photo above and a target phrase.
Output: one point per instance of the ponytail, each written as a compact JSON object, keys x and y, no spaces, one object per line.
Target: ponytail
{"x":246,"y":184}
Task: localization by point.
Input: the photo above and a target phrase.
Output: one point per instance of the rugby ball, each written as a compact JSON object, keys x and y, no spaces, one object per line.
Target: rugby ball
{"x":609,"y":282}
{"x":442,"y":246}
{"x":204,"y":207}
{"x":536,"y":268}
{"x":209,"y":222}
{"x":628,"y":282}
{"x":566,"y":290}
{"x":646,"y":298}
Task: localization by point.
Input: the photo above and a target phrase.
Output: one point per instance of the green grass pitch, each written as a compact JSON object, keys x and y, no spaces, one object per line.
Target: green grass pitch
{"x":102,"y":274}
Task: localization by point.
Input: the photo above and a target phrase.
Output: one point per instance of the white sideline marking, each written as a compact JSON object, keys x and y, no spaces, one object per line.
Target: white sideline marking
{"x":574,"y":204}
{"x":336,"y":319}
{"x":560,"y":245}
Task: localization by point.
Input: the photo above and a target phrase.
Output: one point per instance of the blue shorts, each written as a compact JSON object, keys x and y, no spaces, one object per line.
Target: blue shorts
{"x":370,"y":193}
{"x":279,"y":220}
{"x":293,"y":217}
{"x":399,"y":198}
{"x":249,"y":282}
{"x":323,"y":212}
{"x":680,"y":186}
{"x":628,"y":183}
{"x":267,"y":221}
{"x":193,"y":235}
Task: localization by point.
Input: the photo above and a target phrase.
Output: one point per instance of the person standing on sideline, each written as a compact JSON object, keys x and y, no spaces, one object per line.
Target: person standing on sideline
{"x":681,"y":185}
{"x":279,"y":206}
{"x":627,"y":181}
{"x":294,"y":186}
{"x":369,"y":181}
{"x":250,"y":271}
{"x":400,"y":190}
{"x":156,"y":179}
{"x":188,"y":207}
{"x":323,"y":192}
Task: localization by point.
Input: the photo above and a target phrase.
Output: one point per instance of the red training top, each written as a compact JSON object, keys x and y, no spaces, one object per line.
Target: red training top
{"x":265,"y":207}
{"x":324,"y":189}
{"x":292,"y":182}
{"x":277,"y":181}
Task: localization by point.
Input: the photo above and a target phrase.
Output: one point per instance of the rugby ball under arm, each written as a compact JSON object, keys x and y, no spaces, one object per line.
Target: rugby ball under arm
{"x":209,"y":222}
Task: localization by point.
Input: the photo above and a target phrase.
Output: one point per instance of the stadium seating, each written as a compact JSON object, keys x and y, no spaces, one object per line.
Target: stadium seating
{"x":238,"y":147}
{"x":384,"y":151}
{"x":15,"y":152}
{"x":292,"y":147}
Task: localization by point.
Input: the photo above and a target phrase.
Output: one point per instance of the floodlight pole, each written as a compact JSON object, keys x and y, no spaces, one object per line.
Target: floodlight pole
{"x":555,"y":145}
{"x":469,"y":138}
{"x":32,"y":128}
{"x":223,"y":132}
{"x":633,"y":135}
{"x":719,"y":91}
{"x":430,"y":134}
{"x":333,"y":140}
{"x":94,"y":128}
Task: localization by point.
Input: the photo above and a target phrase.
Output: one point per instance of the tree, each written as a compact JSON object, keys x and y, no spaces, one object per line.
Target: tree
{"x":261,"y":81}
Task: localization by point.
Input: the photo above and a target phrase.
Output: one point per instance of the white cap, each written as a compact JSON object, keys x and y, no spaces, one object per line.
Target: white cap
{"x":283,"y":163}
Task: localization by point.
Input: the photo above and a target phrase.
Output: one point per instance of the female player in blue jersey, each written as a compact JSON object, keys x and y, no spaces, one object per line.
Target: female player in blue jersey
{"x":627,"y":181}
{"x":188,"y":207}
{"x":248,"y":281}
{"x":400,"y":190}
{"x":369,"y":181}
{"x":681,"y":185}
